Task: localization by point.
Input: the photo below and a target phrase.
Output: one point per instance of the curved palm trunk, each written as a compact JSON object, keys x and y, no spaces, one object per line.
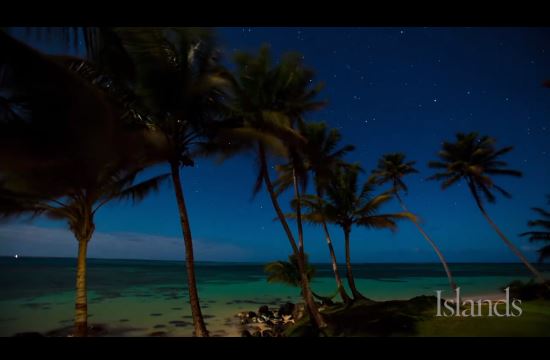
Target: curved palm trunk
{"x":315,"y":315}
{"x":433,"y":245}
{"x":341,"y":290}
{"x":198,"y":321}
{"x":298,"y":214}
{"x":351,"y":281}
{"x":508,"y":243}
{"x":81,"y":303}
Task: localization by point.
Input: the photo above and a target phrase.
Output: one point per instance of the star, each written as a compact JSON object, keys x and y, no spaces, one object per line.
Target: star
{"x":435,"y":100}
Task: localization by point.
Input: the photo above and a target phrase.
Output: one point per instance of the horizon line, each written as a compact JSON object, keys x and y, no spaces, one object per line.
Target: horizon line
{"x":262,"y":261}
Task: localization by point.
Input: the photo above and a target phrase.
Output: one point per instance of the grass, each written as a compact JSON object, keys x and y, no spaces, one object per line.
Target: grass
{"x":416,"y":317}
{"x":535,"y":321}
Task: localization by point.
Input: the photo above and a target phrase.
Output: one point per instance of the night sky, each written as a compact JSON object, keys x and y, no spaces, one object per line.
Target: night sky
{"x":389,"y":89}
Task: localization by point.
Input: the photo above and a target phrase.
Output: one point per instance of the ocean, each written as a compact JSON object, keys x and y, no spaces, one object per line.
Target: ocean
{"x":141,"y":297}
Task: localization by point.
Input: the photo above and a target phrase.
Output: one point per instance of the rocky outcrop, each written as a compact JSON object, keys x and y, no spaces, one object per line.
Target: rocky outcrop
{"x":269,"y":322}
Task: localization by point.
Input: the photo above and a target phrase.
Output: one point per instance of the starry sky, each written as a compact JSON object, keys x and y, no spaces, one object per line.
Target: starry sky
{"x":388,"y":89}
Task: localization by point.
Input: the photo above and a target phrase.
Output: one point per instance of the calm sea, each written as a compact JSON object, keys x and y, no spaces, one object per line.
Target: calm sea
{"x":139,"y":297}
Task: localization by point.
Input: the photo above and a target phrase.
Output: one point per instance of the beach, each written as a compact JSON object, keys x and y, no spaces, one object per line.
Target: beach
{"x":149,"y":298}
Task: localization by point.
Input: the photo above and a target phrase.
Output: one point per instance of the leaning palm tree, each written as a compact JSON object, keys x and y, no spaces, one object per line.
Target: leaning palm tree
{"x":78,"y":208}
{"x":47,"y":108}
{"x":543,"y":231}
{"x":267,"y":102}
{"x":322,"y":157}
{"x":475,"y":159}
{"x":347,"y":206}
{"x":177,"y":77}
{"x":391,"y":169}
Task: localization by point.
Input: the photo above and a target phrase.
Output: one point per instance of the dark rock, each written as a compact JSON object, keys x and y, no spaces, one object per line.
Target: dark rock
{"x":278,"y":328}
{"x":251,"y":314}
{"x":180,"y":323}
{"x":159,"y":326}
{"x":155,"y":314}
{"x":267,"y":333}
{"x":246,"y":333}
{"x":263,"y":310}
{"x":257,"y":333}
{"x":286,"y":309}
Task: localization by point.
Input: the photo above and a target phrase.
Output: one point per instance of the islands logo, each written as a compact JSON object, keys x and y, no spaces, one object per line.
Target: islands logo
{"x":481,"y":307}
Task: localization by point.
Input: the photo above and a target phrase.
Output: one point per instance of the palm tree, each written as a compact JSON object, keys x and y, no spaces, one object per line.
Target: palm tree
{"x":177,"y":77}
{"x":543,"y":233}
{"x":288,"y":272}
{"x":391,"y":169}
{"x":475,"y":159}
{"x":347,"y":206}
{"x":176,"y":80}
{"x":321,"y":157}
{"x":268,"y":100}
{"x":78,"y":208}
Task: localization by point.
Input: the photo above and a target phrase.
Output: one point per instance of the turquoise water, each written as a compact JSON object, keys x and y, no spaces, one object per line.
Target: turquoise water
{"x":138,"y":297}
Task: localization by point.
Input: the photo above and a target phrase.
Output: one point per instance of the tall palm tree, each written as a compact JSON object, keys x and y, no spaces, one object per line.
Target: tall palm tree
{"x":177,"y":77}
{"x":543,"y":231}
{"x":268,"y":100}
{"x":475,"y":159}
{"x":346,"y":206}
{"x":322,"y":157}
{"x":391,"y":169}
{"x":78,"y":208}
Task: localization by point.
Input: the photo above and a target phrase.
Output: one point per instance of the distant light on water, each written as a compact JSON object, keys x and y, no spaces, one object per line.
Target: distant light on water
{"x":16,"y":256}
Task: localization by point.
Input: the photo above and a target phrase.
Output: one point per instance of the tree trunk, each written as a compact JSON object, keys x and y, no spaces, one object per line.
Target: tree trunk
{"x":198,"y":321}
{"x":351,"y":281}
{"x":341,"y":290}
{"x":508,"y":243}
{"x":433,"y":245}
{"x":315,"y":315}
{"x":81,"y":303}
{"x":298,"y":214}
